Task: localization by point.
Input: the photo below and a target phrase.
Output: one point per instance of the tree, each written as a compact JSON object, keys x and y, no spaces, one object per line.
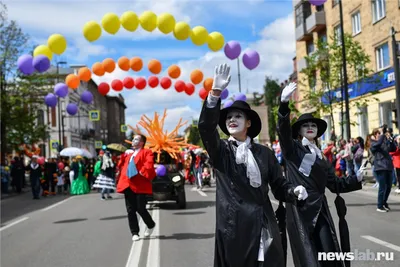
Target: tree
{"x":271,"y":92}
{"x":324,"y":71}
{"x":194,"y":135}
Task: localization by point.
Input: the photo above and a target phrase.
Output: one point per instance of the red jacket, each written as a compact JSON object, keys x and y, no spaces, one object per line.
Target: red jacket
{"x":396,"y":158}
{"x":140,"y":183}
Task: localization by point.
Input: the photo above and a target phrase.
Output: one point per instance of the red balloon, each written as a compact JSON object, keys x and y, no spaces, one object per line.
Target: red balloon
{"x":41,"y":160}
{"x":165,"y":82}
{"x":129,"y":82}
{"x":190,"y":89}
{"x":203,"y":93}
{"x":153,"y":81}
{"x":180,"y":86}
{"x":61,"y":166}
{"x":103,"y":88}
{"x":140,"y":83}
{"x":117,"y":85}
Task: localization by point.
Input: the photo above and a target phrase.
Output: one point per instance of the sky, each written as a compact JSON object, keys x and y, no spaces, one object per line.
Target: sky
{"x":266,"y":26}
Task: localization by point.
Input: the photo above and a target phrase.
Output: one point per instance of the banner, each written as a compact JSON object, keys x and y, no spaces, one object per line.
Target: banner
{"x":94,"y":115}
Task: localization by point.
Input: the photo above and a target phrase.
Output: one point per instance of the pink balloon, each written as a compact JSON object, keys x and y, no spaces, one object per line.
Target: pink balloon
{"x":61,"y":166}
{"x":41,"y":161}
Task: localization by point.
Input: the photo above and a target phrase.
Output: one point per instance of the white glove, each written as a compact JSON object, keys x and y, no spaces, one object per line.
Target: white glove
{"x":221,"y":77}
{"x":360,"y":174}
{"x":288,"y":91}
{"x":301,"y":192}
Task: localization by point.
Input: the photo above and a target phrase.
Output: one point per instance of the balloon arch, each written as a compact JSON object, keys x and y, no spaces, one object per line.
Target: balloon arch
{"x":130,"y":21}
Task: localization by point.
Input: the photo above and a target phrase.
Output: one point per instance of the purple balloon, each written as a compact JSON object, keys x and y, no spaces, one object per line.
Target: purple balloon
{"x":61,"y":89}
{"x":87,"y":97}
{"x":25,"y":64}
{"x":240,"y":97}
{"x":228,"y":104}
{"x":161,"y":170}
{"x":72,"y":109}
{"x":50,"y":100}
{"x":41,"y":63}
{"x":251,"y":59}
{"x":224,"y":94}
{"x":317,"y":2}
{"x":232,"y":49}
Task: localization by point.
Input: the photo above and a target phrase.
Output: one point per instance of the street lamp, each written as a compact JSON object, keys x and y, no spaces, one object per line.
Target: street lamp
{"x":396,"y":55}
{"x":59,"y":110}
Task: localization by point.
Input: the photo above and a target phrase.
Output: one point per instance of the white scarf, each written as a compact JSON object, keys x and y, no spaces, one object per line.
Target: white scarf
{"x":309,"y":159}
{"x":107,"y":162}
{"x":245,"y":156}
{"x":34,"y":167}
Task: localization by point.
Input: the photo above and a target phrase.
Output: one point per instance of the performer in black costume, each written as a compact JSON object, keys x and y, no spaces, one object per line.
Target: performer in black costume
{"x":310,"y":227}
{"x":247,"y":233}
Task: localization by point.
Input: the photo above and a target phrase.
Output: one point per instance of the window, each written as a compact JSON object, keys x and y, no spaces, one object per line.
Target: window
{"x":320,"y":8}
{"x":356,"y":22}
{"x":303,"y":11}
{"x":382,"y":56}
{"x":310,"y":47}
{"x":40,"y":117}
{"x":363,"y":122}
{"x":335,"y":2}
{"x":337,"y":34}
{"x":385,"y":114}
{"x":53,"y":117}
{"x":322,"y":37}
{"x":378,"y":10}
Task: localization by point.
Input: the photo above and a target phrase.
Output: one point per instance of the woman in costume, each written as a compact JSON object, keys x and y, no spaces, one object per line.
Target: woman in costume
{"x":247,"y":233}
{"x":310,"y":227}
{"x":80,"y":184}
{"x":106,"y":178}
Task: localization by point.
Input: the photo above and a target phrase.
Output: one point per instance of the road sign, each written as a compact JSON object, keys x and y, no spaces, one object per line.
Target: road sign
{"x":98,"y":144}
{"x":94,"y":115}
{"x":54,"y":145}
{"x":124,"y":128}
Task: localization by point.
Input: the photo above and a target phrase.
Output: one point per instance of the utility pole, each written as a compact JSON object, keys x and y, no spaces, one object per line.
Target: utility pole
{"x":238,"y":66}
{"x":346,"y":86}
{"x":60,"y":141}
{"x":396,"y":55}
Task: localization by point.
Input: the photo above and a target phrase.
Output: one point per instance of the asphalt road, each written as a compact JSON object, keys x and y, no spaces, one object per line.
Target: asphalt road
{"x":85,"y":231}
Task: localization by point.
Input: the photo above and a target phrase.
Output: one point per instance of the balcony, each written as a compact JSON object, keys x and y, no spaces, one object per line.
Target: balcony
{"x":301,"y":64}
{"x":296,"y":2}
{"x":302,"y":34}
{"x":316,"y":22}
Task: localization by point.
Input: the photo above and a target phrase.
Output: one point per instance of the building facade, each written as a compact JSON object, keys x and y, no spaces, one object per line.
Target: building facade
{"x":369,"y":22}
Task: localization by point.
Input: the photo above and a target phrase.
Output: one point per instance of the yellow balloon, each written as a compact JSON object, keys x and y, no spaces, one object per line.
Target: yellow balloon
{"x":43,"y":50}
{"x":111,"y":23}
{"x":166,"y":23}
{"x":148,"y":21}
{"x":92,"y":31}
{"x":181,"y":30}
{"x":130,"y":21}
{"x":199,"y":35}
{"x":57,"y":43}
{"x":215,"y":41}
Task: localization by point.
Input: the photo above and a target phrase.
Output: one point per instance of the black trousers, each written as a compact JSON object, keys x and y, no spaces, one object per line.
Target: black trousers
{"x":323,"y":240}
{"x":137,"y":203}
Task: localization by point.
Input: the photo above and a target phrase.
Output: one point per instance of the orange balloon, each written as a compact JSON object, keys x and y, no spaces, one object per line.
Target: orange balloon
{"x":154,"y":66}
{"x":72,"y":81}
{"x":174,"y":71}
{"x":85,"y":74}
{"x":109,"y":65}
{"x":98,"y":69}
{"x":123,"y":63}
{"x":196,"y":76}
{"x":136,"y":63}
{"x":208,"y":84}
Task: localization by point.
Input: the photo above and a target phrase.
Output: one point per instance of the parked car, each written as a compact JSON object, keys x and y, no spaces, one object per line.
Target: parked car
{"x":170,"y":186}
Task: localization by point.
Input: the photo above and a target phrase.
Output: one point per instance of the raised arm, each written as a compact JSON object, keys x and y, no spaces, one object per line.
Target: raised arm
{"x":284,"y":128}
{"x":344,"y":185}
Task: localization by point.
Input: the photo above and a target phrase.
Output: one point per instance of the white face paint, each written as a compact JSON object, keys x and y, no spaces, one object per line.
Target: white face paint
{"x":309,"y":130}
{"x":235,"y":122}
{"x":136,"y":141}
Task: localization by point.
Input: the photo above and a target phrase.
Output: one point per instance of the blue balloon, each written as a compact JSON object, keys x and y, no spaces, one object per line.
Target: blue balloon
{"x":61,"y":89}
{"x":241,"y":97}
{"x":228,"y":104}
{"x":224,"y":94}
{"x":161,"y":170}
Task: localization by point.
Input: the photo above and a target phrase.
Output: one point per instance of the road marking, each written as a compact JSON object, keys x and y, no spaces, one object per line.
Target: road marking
{"x":136,"y":249}
{"x":381,"y":242}
{"x":56,"y":204}
{"x":202,"y":193}
{"x":153,"y":255}
{"x":13,"y":223}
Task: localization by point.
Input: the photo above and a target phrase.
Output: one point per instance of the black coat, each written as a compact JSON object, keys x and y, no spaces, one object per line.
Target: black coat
{"x":242,"y":210}
{"x":301,"y":220}
{"x":34,"y":174}
{"x":75,"y":168}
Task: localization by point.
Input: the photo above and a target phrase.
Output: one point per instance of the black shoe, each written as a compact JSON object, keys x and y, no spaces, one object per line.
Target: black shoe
{"x":109,"y":197}
{"x":381,"y":210}
{"x":386,"y":207}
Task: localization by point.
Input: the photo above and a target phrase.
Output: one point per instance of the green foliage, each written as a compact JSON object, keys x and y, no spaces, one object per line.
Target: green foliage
{"x":194,"y":136}
{"x":324,"y":72}
{"x":271,"y":92}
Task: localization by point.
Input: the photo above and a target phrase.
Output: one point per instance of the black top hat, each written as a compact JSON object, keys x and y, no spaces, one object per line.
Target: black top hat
{"x":308,"y":117}
{"x":255,"y":127}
